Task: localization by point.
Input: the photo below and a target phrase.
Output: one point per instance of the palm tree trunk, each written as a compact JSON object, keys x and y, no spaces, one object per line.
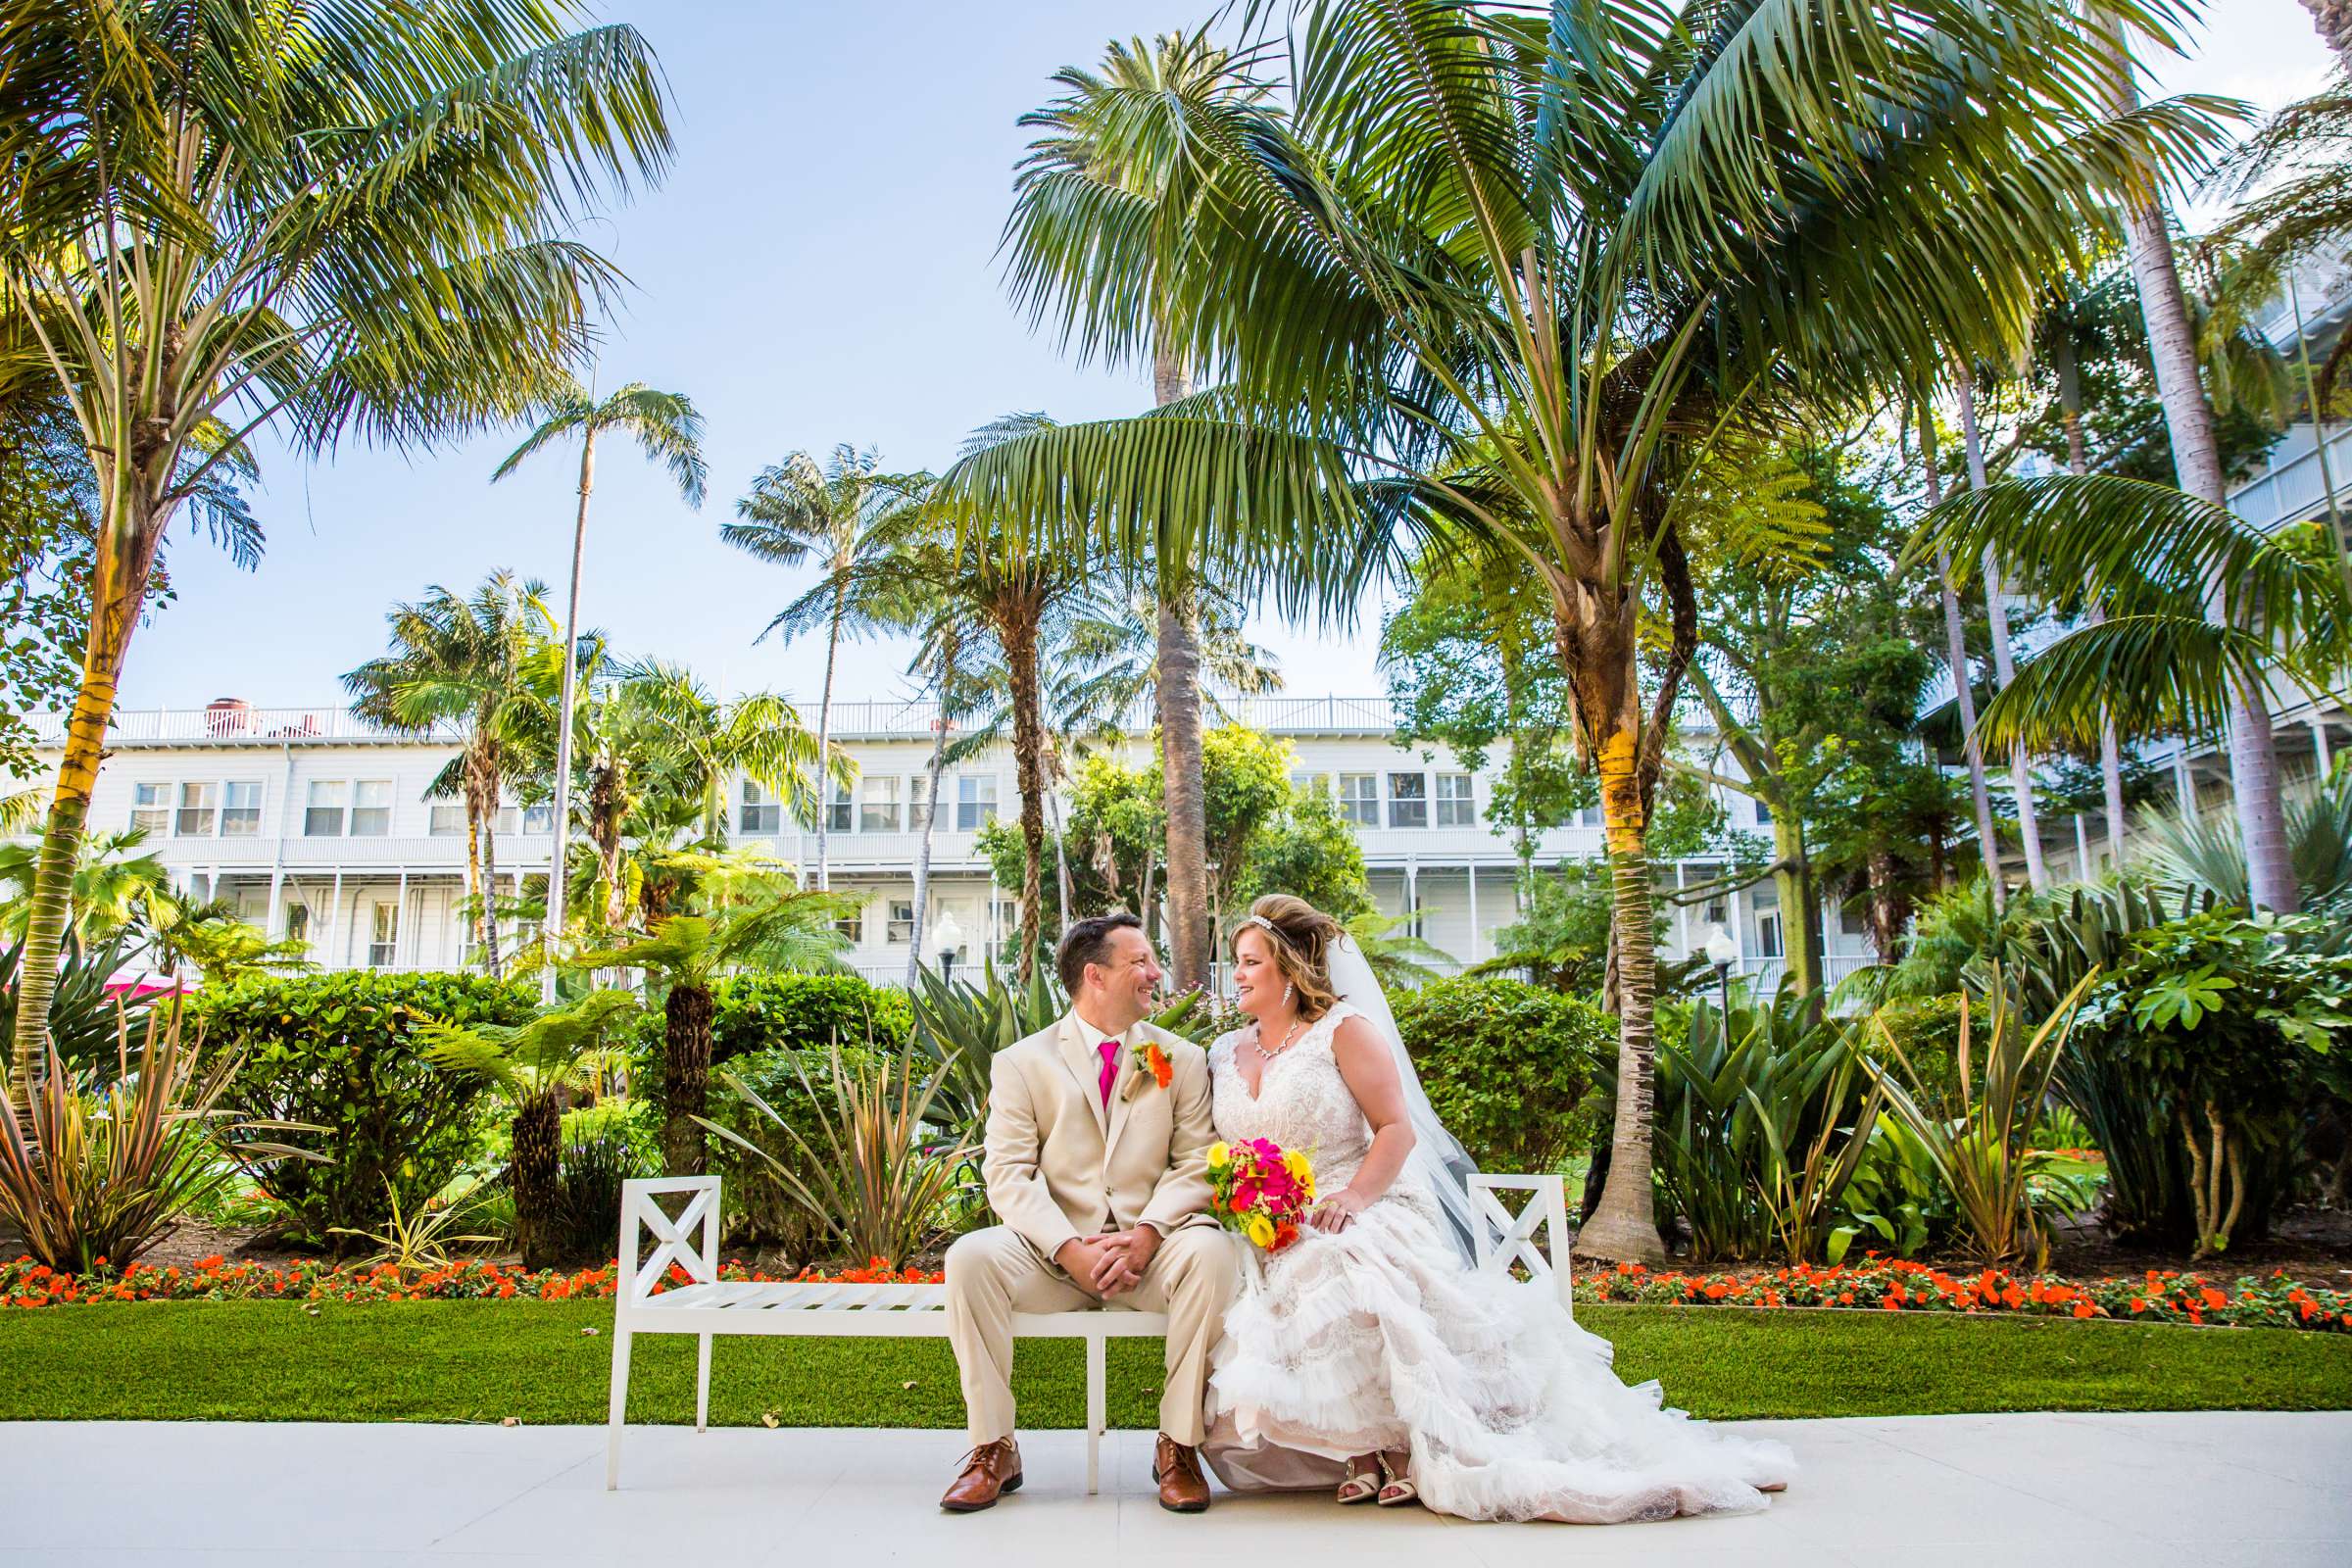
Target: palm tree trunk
{"x":553,"y":927}
{"x":1019,"y":640}
{"x":1190,"y":937}
{"x":685,"y":1077}
{"x":2078,"y":464}
{"x":538,"y":1130}
{"x":1598,"y":652}
{"x":824,"y":733}
{"x":2004,"y":658}
{"x":2333,"y":20}
{"x":922,"y":849}
{"x":493,"y":962}
{"x":2196,"y":458}
{"x":118,"y":591}
{"x":1955,"y":636}
{"x":481,"y":817}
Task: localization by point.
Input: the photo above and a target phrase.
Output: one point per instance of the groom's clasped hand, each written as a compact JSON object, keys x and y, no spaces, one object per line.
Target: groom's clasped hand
{"x":1097,"y":1164}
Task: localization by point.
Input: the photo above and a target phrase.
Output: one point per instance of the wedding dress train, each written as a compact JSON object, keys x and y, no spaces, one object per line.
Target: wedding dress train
{"x":1378,"y":1338}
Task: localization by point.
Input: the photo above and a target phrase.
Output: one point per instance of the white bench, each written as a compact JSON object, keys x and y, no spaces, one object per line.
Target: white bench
{"x":706,"y":1306}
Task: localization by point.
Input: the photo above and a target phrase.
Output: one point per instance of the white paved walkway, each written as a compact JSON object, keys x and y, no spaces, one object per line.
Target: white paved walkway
{"x":2212,"y":1490}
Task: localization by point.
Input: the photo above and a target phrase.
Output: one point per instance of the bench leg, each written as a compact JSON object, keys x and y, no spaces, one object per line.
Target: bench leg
{"x":1096,"y":1420}
{"x":702,"y":1383}
{"x":619,"y":1406}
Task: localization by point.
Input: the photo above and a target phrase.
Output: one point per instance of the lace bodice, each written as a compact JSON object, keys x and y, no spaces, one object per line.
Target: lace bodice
{"x":1302,"y":1102}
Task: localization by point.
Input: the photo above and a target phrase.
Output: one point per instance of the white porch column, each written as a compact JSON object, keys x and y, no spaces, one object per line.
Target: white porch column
{"x":1475,"y":932}
{"x":2318,"y":744}
{"x":335,"y":921}
{"x":2082,"y":850}
{"x":400,"y":919}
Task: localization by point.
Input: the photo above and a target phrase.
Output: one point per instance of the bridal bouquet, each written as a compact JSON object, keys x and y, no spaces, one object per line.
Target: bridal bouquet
{"x":1260,"y":1190}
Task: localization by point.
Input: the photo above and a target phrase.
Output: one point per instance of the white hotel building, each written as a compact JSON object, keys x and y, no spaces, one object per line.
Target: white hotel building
{"x":317,"y":826}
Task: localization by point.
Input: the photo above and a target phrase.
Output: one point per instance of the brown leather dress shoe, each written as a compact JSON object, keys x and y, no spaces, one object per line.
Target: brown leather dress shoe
{"x":989,"y":1472}
{"x":1177,"y":1469}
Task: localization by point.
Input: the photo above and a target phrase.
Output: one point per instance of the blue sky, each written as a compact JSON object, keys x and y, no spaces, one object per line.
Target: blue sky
{"x":818,"y":268}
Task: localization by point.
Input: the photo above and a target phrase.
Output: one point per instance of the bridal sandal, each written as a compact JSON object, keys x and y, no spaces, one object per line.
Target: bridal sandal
{"x":1361,"y":1486}
{"x":1398,"y":1489}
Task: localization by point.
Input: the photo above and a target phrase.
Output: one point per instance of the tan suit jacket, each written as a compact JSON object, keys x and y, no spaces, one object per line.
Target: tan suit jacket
{"x":1061,"y":1166}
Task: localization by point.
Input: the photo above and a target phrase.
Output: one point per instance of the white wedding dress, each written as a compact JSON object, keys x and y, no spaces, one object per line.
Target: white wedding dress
{"x":1379,"y":1338}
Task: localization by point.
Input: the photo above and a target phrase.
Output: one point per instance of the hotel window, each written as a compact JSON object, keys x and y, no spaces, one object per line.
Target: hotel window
{"x":446,"y":819}
{"x":761,"y":812}
{"x":151,"y":808}
{"x":297,"y":923}
{"x":1590,"y":816}
{"x":197,"y":807}
{"x":383,"y":936}
{"x":242,"y":809}
{"x":1852,"y":921}
{"x":371,"y":809}
{"x":852,"y":925}
{"x":1360,"y":799}
{"x":1457,"y":806}
{"x":1311,"y":783}
{"x":322,"y":815}
{"x":1768,"y":934}
{"x":838,"y":807}
{"x":975,"y":802}
{"x":918,"y":804}
{"x":1408,"y":800}
{"x":539,"y":818}
{"x":878,"y":803}
{"x":503,"y":822}
{"x":1763,"y":813}
{"x":901,"y":929}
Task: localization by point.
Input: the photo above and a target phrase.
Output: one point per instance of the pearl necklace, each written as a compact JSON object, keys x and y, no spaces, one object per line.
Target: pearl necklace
{"x":1258,"y":1044}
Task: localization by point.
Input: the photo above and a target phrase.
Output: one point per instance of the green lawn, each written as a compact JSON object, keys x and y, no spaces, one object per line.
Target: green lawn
{"x":481,"y":1361}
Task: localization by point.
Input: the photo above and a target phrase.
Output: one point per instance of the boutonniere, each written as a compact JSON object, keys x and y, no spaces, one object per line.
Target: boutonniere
{"x":1148,"y":1058}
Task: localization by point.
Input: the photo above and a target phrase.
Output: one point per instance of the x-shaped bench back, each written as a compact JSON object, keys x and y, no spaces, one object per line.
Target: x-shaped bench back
{"x":1513,"y":1237}
{"x":674,"y":1240}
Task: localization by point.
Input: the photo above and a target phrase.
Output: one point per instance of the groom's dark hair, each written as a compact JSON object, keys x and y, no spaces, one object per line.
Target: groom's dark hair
{"x":1086,"y":942}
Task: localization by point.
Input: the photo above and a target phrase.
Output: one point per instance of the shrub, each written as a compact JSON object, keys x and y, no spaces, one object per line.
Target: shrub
{"x":759,"y":1011}
{"x":595,"y":1161}
{"x":1506,"y":1065}
{"x":764,"y":1212}
{"x":2199,"y":1060}
{"x":340,"y":1052}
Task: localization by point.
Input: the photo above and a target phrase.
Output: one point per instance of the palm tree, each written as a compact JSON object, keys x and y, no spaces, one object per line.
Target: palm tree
{"x":2196,"y":458}
{"x":463,"y":660}
{"x":668,"y":431}
{"x":1955,"y":643}
{"x":220,"y":220}
{"x":1099,"y":236}
{"x":531,"y":1065}
{"x":115,"y":886}
{"x":841,"y":514}
{"x":2333,"y":20}
{"x":1501,"y":281}
{"x":1113,"y":657}
{"x":1022,"y":597}
{"x":686,"y":957}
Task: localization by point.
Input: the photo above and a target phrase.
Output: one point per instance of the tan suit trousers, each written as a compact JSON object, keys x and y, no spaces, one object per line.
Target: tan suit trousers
{"x":993,"y":1273}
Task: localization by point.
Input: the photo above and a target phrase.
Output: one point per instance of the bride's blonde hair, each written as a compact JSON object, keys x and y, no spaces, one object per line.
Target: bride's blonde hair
{"x":1300,"y":937}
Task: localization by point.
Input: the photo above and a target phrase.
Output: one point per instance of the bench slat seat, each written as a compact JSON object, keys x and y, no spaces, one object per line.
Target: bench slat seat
{"x":707,"y":1306}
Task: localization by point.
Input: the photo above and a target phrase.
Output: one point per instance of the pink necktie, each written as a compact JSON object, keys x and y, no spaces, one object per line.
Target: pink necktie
{"x":1111,"y":1069}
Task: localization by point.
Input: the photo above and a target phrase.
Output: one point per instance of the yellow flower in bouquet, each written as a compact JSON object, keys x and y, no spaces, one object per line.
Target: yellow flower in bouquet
{"x":1260,"y":1190}
{"x":1261,"y":1230}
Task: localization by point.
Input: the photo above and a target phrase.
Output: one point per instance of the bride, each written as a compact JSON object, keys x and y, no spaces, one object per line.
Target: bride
{"x":1368,"y":1355}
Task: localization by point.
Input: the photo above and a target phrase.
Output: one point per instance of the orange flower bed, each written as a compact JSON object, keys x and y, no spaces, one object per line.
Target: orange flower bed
{"x":1893,"y":1285}
{"x":27,"y":1284}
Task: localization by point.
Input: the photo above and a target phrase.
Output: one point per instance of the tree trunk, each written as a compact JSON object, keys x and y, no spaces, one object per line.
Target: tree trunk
{"x":1955,"y":635}
{"x":1885,"y":918}
{"x":1019,"y":640}
{"x":2333,"y":20}
{"x":825,"y":735}
{"x":1792,"y":880}
{"x":1599,"y":655}
{"x":118,"y":591}
{"x":2004,"y":658}
{"x":686,"y":1077}
{"x":481,"y":783}
{"x":536,"y":1172}
{"x":2078,"y":464}
{"x":1191,"y":940}
{"x":606,"y":814}
{"x":474,"y":864}
{"x":552,"y":928}
{"x":922,"y":849}
{"x":2188,"y":419}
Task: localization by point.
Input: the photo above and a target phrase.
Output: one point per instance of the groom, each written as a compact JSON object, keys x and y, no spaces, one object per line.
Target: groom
{"x":1099,"y":1175}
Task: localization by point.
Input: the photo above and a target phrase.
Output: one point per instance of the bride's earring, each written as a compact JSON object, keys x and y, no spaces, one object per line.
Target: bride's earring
{"x":1288,"y":990}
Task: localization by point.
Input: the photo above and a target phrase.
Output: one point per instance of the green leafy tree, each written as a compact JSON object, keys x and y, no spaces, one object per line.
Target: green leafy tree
{"x":842,"y":516}
{"x":668,"y":430}
{"x":462,"y":663}
{"x":1502,"y":281}
{"x":221,"y":221}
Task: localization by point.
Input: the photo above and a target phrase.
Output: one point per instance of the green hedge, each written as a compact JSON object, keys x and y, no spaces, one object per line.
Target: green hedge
{"x":758,"y":1211}
{"x":759,"y":1012}
{"x":338,"y":1051}
{"x":1507,"y":1065}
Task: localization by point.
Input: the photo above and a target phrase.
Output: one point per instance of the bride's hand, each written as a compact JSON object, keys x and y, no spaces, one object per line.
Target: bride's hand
{"x":1338,"y":1211}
